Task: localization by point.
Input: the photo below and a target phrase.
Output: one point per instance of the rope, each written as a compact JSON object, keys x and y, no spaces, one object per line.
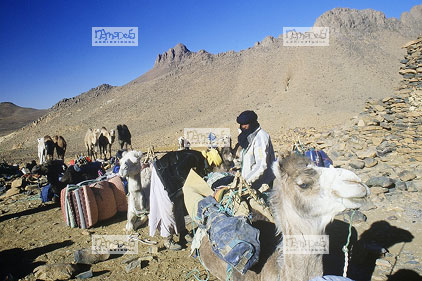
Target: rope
{"x":195,"y":273}
{"x":32,"y":197}
{"x":229,"y":272}
{"x":345,"y":247}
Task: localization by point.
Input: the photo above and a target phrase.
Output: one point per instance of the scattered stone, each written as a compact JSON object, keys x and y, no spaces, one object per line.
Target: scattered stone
{"x":136,"y":262}
{"x":382,"y":262}
{"x":357,"y":216}
{"x":357,"y":164}
{"x":370,"y":152}
{"x":385,"y":147}
{"x":375,"y":190}
{"x":407,"y":175}
{"x":392,"y":218}
{"x":153,"y":249}
{"x":401,"y":185}
{"x":60,"y":271}
{"x":411,"y":187}
{"x":86,"y":256}
{"x":380,"y":181}
{"x":370,"y":162}
{"x":84,"y":275}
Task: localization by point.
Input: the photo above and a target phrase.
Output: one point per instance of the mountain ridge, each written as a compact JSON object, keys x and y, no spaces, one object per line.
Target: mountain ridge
{"x":286,"y":86}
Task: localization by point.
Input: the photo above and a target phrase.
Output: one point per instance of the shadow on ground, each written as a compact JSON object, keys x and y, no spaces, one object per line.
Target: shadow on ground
{"x":365,"y":251}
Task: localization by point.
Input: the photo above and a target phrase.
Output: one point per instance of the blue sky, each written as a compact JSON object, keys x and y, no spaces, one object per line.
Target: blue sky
{"x":46,"y":53}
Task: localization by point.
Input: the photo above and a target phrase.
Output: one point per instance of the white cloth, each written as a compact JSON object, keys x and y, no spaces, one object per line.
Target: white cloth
{"x":161,"y":214}
{"x":257,"y":159}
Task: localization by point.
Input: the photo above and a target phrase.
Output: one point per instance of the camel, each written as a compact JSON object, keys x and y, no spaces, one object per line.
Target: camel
{"x":41,"y":150}
{"x":124,"y":136}
{"x":60,"y":145}
{"x":183,"y":143}
{"x":105,"y":140}
{"x":49,"y":147}
{"x":138,"y":181}
{"x":304,"y":200}
{"x":91,"y":142}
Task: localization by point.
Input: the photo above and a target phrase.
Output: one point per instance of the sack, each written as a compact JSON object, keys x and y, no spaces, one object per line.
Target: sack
{"x":85,"y":204}
{"x":46,"y":193}
{"x":319,"y":157}
{"x":233,"y":239}
{"x":173,"y":169}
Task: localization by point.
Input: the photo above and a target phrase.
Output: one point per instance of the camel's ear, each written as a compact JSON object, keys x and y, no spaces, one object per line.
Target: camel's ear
{"x":124,"y":153}
{"x":277,"y":170}
{"x":138,"y":154}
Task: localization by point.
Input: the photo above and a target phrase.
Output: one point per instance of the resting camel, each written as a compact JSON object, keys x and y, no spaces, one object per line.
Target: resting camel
{"x":304,"y":200}
{"x":105,"y":140}
{"x":91,"y":142}
{"x":60,"y":145}
{"x":138,"y":181}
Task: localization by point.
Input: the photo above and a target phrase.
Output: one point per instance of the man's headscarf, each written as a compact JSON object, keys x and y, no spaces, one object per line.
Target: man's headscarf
{"x":247,"y":117}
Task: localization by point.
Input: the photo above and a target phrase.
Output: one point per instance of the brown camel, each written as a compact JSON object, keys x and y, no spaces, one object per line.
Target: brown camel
{"x":60,"y":145}
{"x":105,"y":140}
{"x":304,"y":200}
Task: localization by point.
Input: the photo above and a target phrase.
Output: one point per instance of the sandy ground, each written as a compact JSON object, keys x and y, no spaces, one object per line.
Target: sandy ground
{"x":33,"y":233}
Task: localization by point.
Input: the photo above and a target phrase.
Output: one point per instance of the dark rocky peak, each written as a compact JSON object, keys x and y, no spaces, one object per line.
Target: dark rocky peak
{"x":352,"y":20}
{"x":413,"y":20}
{"x":173,"y":56}
{"x":94,"y":92}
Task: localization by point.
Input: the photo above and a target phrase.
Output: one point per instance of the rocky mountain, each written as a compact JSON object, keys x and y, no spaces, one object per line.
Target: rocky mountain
{"x":13,"y":117}
{"x":287,"y":86}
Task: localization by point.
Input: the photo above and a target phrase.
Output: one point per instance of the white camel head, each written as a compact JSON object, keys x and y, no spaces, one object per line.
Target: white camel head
{"x":130,"y":164}
{"x":313,"y":194}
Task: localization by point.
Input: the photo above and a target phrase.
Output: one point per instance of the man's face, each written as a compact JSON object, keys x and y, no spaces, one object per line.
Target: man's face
{"x":244,"y":127}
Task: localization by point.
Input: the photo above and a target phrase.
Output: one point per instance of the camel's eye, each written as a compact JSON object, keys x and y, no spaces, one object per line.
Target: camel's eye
{"x":304,"y":185}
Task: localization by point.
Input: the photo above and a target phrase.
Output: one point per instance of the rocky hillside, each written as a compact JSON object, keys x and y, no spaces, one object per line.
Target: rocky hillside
{"x":13,"y":117}
{"x":287,"y":86}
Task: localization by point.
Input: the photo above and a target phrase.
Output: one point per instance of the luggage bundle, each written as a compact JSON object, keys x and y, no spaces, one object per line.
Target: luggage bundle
{"x":233,"y":239}
{"x":89,"y":202}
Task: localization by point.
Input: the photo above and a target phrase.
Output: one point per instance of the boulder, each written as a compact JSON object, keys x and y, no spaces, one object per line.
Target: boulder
{"x":380,"y":181}
{"x":407,"y":175}
{"x":357,"y":164}
{"x":60,"y":271}
{"x":370,"y":162}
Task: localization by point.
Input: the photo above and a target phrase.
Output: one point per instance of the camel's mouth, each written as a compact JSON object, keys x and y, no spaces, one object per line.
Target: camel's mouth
{"x":356,"y":202}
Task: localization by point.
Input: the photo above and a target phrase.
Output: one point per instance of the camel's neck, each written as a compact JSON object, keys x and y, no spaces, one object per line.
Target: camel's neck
{"x":300,"y":235}
{"x":134,"y":182}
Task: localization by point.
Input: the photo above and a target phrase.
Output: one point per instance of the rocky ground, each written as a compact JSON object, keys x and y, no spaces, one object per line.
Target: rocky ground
{"x":385,"y":242}
{"x":382,"y":145}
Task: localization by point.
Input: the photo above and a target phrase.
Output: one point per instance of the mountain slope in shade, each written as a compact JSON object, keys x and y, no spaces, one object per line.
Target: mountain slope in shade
{"x":286,"y":86}
{"x":13,"y":117}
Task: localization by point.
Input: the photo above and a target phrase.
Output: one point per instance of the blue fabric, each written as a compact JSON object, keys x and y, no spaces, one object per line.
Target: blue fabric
{"x":233,"y":239}
{"x":46,"y":193}
{"x":319,"y":157}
